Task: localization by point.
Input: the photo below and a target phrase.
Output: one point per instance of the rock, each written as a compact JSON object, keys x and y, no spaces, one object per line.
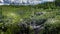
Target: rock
{"x":39,"y":13}
{"x":1,"y":21}
{"x":40,"y":21}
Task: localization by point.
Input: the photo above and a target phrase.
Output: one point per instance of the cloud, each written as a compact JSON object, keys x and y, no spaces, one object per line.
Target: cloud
{"x":27,"y":1}
{"x":1,"y":0}
{"x":1,"y":3}
{"x":48,"y":0}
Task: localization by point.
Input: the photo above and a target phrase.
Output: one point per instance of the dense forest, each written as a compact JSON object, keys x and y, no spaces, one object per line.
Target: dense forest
{"x":30,"y":19}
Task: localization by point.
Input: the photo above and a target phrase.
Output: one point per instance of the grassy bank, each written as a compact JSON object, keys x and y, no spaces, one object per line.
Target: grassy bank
{"x":13,"y":15}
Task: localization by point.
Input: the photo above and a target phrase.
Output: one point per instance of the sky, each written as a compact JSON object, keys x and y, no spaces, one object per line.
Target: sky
{"x":30,"y":1}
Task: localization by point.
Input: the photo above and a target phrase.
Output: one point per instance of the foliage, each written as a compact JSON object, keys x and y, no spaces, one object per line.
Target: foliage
{"x":11,"y":17}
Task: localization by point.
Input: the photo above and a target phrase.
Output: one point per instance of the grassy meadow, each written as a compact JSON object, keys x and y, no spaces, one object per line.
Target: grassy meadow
{"x":11,"y":16}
